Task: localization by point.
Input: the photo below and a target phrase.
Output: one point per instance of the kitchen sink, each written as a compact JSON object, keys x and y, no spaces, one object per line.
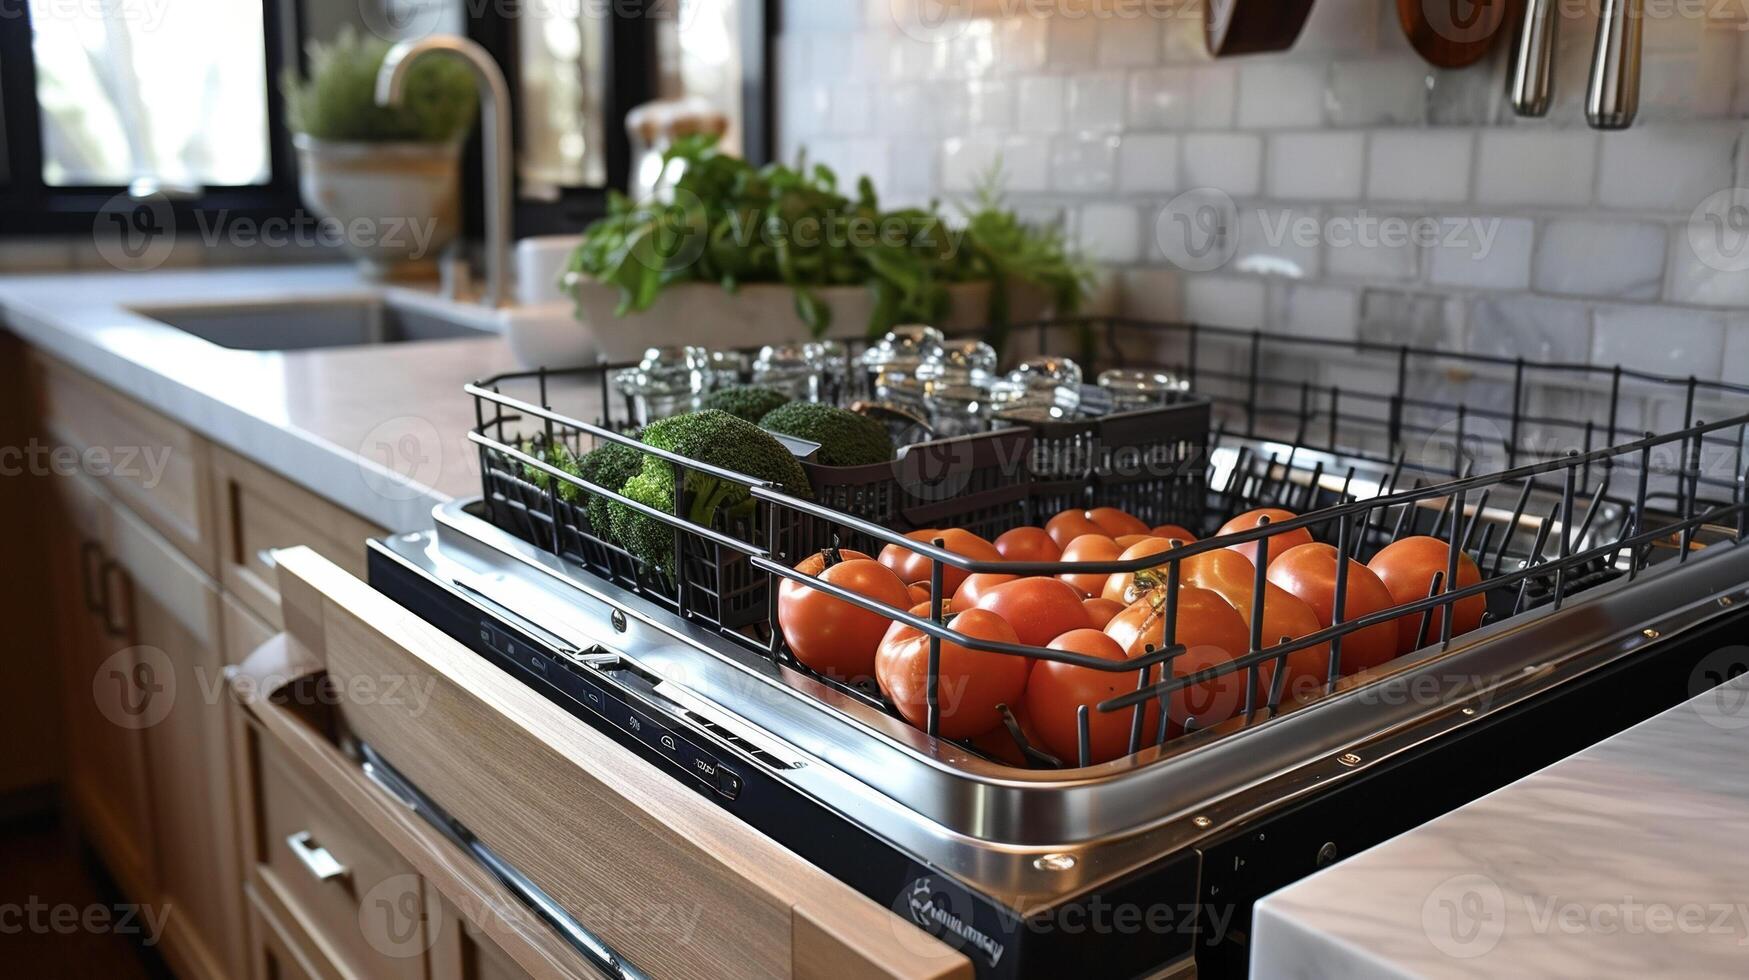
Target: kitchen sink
{"x":280,"y":326}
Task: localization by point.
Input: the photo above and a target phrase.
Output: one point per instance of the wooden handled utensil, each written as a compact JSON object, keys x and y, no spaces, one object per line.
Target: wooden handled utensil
{"x":1452,"y":33}
{"x":1252,"y":26}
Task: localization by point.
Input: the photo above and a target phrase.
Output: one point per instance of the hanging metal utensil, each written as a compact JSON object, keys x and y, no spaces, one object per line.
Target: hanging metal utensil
{"x":1531,"y":82}
{"x":1614,"y":96}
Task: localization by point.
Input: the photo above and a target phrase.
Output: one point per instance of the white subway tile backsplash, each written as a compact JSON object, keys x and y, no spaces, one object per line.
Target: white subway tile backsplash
{"x":1160,"y":99}
{"x":1660,"y":339}
{"x":1378,"y":92}
{"x":1111,"y":233}
{"x":1225,"y":301}
{"x":1281,"y":94}
{"x":1096,"y":101}
{"x":1084,"y":164}
{"x":1327,"y":312}
{"x":1315,"y":166}
{"x":1531,"y":327}
{"x":1148,"y":164}
{"x":1214,"y":96}
{"x":1419,"y":165}
{"x":1041,"y":104}
{"x":989,"y":104}
{"x":1110,"y":118}
{"x":1230,"y":162}
{"x":1074,"y":42}
{"x":1279,"y":241}
{"x":1482,"y":252}
{"x":1368,"y":245}
{"x":1542,"y":167}
{"x":1129,"y":42}
{"x":1616,"y":259}
{"x":1665,"y":168}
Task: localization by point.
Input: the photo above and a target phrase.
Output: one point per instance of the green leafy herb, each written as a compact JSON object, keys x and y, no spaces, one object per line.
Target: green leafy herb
{"x":338,"y":99}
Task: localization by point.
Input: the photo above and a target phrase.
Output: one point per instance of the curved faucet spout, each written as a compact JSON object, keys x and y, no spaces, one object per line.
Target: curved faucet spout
{"x":494,"y":133}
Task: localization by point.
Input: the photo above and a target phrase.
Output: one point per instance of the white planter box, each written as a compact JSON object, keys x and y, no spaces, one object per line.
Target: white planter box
{"x":704,"y":315}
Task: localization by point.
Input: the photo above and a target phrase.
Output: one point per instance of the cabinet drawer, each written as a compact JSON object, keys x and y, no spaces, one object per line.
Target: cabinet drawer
{"x":360,"y":903}
{"x":155,"y":466}
{"x":591,"y":824}
{"x":279,"y":954}
{"x":260,"y":511}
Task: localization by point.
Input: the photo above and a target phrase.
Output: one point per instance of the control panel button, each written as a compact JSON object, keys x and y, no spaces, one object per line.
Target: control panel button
{"x":728,"y":782}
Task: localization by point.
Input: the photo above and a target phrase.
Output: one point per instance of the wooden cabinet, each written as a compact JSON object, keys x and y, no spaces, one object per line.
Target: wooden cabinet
{"x":106,"y":689}
{"x":167,"y":611}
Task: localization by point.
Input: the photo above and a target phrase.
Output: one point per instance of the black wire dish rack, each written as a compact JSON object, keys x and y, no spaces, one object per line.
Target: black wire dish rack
{"x":1553,"y":477}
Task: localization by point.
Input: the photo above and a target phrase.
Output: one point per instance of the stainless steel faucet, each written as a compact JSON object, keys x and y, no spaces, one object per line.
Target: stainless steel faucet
{"x":494,"y":132}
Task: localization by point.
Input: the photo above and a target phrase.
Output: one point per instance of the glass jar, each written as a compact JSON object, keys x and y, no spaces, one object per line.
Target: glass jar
{"x":831,"y":363}
{"x":786,"y":368}
{"x":1134,"y":389}
{"x":1046,"y":382}
{"x":901,"y":352}
{"x":962,"y":362}
{"x":667,"y":382}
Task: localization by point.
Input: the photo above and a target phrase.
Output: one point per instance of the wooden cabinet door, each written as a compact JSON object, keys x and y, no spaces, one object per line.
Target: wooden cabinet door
{"x":103,"y":687}
{"x":173,"y":618}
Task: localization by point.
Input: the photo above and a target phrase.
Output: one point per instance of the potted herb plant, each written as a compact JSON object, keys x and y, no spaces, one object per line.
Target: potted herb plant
{"x":385,"y":179}
{"x":733,"y":255}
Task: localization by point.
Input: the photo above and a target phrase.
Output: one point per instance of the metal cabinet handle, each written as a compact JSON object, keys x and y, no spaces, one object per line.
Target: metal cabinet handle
{"x":316,"y":858}
{"x":90,"y":567}
{"x":113,"y":622}
{"x":1614,"y":96}
{"x":1531,"y":79}
{"x":265,"y":557}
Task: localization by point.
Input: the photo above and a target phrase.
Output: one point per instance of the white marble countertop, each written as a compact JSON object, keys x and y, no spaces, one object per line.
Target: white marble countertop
{"x":1625,"y":859}
{"x":378,"y":430}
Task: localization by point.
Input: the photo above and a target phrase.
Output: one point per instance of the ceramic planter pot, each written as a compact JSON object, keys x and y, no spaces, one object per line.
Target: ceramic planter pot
{"x":392,"y":206}
{"x":704,"y":315}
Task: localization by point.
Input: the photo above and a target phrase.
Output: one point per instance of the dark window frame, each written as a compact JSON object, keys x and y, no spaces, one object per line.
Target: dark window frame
{"x":30,"y":207}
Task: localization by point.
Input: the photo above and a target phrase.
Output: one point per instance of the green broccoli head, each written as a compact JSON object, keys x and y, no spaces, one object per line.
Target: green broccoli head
{"x":711,"y":436}
{"x":749,"y":402}
{"x":845,"y":438}
{"x":557,"y":455}
{"x":610,"y":464}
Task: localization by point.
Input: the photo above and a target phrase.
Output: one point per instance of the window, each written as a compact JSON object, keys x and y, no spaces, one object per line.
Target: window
{"x":136,"y":90}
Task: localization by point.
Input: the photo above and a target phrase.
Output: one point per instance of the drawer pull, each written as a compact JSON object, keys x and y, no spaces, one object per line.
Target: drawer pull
{"x":316,"y":858}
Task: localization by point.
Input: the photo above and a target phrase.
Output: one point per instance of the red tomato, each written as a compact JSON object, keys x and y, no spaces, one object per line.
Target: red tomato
{"x":1212,"y":633}
{"x":1040,"y":609}
{"x":1171,"y":531}
{"x":913,"y":567}
{"x":1220,"y":571}
{"x":1407,"y":568}
{"x":1069,"y":525}
{"x":1115,"y":522}
{"x":1090,"y":548}
{"x":1278,"y":543}
{"x":1284,"y":615}
{"x":919,"y":592}
{"x":1101,"y":611}
{"x":972,"y":682}
{"x":1028,"y":544}
{"x":1309,"y":572}
{"x":975,"y":586}
{"x":1117,"y":585}
{"x":1131,"y":540}
{"x":831,"y":635}
{"x":1056,"y":692}
{"x":815,"y":563}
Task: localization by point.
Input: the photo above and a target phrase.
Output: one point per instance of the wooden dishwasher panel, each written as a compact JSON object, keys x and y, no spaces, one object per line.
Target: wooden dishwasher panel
{"x":678,"y":887}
